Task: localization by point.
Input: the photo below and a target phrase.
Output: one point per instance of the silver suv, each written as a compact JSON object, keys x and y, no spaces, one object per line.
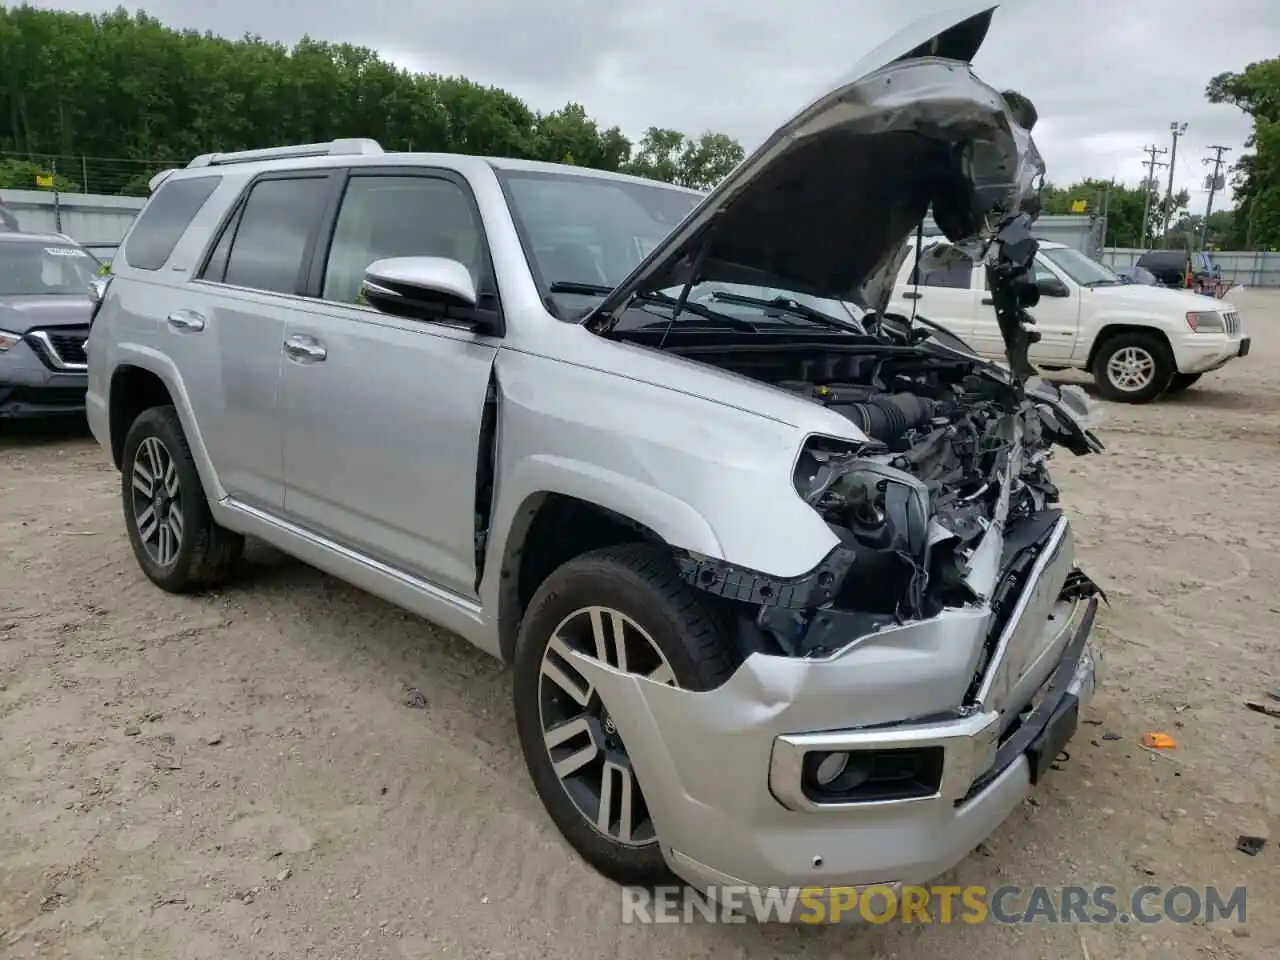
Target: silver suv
{"x":786,"y":595}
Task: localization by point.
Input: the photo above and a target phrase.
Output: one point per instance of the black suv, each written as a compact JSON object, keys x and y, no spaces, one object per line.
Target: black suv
{"x":1170,"y":267}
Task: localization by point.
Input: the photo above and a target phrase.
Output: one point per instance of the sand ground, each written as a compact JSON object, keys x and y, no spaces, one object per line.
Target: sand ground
{"x":238,"y":775}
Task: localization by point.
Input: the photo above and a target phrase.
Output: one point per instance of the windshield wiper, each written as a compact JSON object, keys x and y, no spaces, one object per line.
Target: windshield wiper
{"x":1102,"y":283}
{"x":790,"y":306}
{"x":599,"y":290}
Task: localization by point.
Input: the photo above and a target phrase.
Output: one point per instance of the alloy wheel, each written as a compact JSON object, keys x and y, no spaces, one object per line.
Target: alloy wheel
{"x":582,"y":739}
{"x":1131,"y":369}
{"x":157,"y":501}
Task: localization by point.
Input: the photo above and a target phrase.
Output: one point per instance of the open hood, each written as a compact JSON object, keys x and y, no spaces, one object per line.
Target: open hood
{"x":826,"y":204}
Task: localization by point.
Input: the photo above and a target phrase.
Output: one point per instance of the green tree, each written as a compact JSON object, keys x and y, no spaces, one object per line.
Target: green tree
{"x":1256,"y":176}
{"x":124,"y":86}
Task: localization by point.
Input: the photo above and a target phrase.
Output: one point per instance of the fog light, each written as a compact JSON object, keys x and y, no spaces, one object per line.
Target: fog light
{"x":830,"y":767}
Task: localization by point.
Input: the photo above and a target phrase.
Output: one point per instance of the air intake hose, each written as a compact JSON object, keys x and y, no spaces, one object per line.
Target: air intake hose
{"x":886,"y":417}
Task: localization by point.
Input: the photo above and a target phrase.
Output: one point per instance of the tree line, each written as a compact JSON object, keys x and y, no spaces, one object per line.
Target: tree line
{"x":1256,"y":175}
{"x":144,"y":96}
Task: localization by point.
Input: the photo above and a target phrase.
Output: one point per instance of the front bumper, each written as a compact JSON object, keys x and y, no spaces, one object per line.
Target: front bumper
{"x":721,"y":769}
{"x":1201,"y":353}
{"x":29,"y":387}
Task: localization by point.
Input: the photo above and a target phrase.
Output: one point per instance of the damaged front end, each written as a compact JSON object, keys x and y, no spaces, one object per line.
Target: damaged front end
{"x":904,"y":692}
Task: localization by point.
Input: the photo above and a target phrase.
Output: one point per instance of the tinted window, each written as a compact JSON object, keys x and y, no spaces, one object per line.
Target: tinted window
{"x":383,"y":216}
{"x":273,"y":234}
{"x":1038,"y":272}
{"x":164,"y":219}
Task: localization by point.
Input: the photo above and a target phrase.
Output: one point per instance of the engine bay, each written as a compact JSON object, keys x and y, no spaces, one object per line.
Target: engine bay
{"x":957,"y":448}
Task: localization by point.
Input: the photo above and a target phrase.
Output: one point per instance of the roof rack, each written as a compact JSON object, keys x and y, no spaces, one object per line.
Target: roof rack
{"x":347,"y":146}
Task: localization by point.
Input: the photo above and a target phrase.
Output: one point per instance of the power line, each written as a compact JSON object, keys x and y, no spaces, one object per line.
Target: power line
{"x":1213,"y":188}
{"x":1148,"y":187}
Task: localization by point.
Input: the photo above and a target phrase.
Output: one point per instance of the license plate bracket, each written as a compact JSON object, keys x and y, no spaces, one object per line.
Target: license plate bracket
{"x":1043,"y":751}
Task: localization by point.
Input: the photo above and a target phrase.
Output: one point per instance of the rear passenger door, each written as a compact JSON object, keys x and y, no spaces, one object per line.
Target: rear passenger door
{"x":939,"y":291}
{"x":231,"y":325}
{"x":382,"y":415}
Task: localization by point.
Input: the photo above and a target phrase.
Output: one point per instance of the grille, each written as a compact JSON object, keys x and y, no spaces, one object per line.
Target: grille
{"x":66,"y":344}
{"x":1232,"y":321}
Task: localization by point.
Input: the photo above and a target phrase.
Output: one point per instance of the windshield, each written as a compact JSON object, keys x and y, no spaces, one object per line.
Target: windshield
{"x":1086,"y":272}
{"x":588,"y":233}
{"x":35,"y":269}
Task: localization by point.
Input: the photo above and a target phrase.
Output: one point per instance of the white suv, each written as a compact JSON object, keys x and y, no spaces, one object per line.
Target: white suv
{"x":1138,"y":341}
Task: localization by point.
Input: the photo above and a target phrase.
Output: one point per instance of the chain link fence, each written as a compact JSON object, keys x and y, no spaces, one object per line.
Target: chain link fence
{"x":77,"y":173}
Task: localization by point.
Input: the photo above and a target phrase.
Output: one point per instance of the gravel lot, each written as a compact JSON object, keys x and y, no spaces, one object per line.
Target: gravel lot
{"x":240,"y":774}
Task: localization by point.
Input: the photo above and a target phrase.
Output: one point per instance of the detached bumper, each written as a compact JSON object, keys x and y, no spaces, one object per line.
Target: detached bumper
{"x":724,"y":771}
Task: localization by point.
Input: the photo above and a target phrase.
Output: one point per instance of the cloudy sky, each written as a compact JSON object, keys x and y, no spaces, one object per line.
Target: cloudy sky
{"x":1108,"y":76}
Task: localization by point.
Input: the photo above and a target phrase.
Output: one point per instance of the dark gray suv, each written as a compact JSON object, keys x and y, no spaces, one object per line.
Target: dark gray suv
{"x":45,"y":305}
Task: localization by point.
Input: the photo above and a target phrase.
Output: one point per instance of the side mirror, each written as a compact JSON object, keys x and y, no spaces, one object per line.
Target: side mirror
{"x":1052,"y":287}
{"x":422,"y":288}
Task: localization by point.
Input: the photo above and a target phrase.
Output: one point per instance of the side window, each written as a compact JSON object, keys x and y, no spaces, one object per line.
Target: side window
{"x":165,"y":218}
{"x":272,"y":234}
{"x":1038,"y":272}
{"x":399,"y":216}
{"x":954,"y":271}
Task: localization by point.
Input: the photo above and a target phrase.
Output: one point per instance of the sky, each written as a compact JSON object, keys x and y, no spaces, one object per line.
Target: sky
{"x":1107,"y":76}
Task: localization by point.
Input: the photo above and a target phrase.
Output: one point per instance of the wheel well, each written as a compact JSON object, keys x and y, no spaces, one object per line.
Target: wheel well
{"x":1115,"y":329}
{"x":133,"y":390}
{"x":549,"y":531}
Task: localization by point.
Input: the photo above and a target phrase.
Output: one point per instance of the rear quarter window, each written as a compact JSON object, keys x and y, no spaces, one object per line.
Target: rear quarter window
{"x":163,"y":220}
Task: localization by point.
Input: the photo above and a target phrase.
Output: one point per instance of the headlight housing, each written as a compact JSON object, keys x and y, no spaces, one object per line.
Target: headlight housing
{"x":9,"y":340}
{"x":1205,"y":321}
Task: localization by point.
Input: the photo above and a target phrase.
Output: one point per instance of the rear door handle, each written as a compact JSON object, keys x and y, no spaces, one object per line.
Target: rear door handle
{"x":186,"y":320}
{"x":301,"y":347}
{"x":913,"y":296}
{"x":988,"y":302}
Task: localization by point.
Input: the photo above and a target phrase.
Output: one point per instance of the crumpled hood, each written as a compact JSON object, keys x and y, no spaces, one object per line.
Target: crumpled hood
{"x":826,"y":204}
{"x":20,"y":314}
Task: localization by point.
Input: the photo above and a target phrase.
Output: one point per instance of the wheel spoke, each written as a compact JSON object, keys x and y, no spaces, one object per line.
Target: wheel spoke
{"x":164,"y":548}
{"x":147,"y":524}
{"x":575,"y":761}
{"x":143,"y":481}
{"x":616,"y":793}
{"x":171,"y":478}
{"x":663,"y":675}
{"x":175,"y":526}
{"x":608,"y":630}
{"x":557,"y":670}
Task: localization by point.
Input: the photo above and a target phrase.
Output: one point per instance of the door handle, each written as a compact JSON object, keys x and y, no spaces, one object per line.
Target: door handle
{"x":912,"y":295}
{"x":988,"y":302}
{"x":305,"y":348}
{"x":186,"y":320}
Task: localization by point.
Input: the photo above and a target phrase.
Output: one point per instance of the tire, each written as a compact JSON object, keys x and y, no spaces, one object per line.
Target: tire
{"x":640,"y":583}
{"x":1138,"y":348}
{"x":205,"y":552}
{"x":1182,"y":381}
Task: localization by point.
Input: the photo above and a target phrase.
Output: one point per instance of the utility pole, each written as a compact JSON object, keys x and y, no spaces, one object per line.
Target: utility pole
{"x":1177,"y":130}
{"x":1213,"y":188}
{"x":1148,"y":187}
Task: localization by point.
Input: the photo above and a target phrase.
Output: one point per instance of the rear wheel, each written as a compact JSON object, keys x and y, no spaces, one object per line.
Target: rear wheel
{"x":627,"y":608}
{"x":1181,"y":381}
{"x":1133,"y":367}
{"x":175,"y":539}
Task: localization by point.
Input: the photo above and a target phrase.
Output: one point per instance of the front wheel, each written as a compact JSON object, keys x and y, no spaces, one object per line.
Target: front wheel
{"x":174,"y":537}
{"x":1133,"y":367}
{"x":627,"y":607}
{"x":1182,"y":381}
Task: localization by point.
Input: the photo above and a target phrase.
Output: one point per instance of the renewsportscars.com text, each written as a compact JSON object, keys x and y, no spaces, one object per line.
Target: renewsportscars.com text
{"x":1100,"y":904}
